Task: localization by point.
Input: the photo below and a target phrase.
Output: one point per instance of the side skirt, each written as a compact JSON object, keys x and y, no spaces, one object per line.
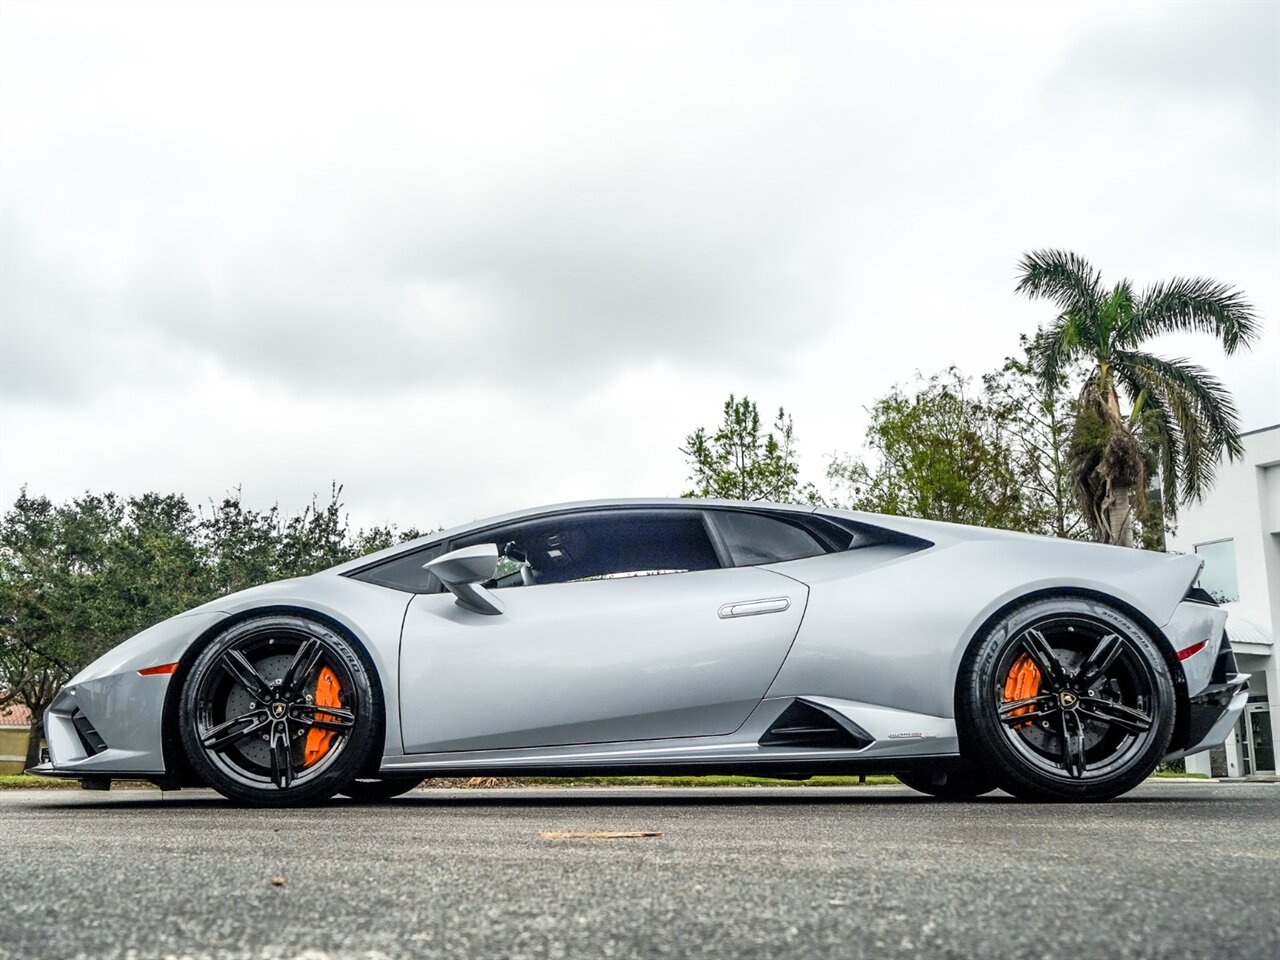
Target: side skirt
{"x":784,"y":737}
{"x":780,"y":769}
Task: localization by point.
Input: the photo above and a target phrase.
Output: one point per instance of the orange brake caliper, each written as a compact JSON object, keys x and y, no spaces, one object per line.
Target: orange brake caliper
{"x":318,"y":740}
{"x":1023,"y":683}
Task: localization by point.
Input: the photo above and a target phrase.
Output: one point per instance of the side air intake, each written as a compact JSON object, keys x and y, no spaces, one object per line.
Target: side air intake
{"x":90,"y":739}
{"x":805,"y":724}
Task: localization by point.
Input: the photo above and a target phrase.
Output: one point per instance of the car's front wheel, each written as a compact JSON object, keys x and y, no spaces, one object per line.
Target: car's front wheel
{"x":1066,"y":698}
{"x":278,"y":711}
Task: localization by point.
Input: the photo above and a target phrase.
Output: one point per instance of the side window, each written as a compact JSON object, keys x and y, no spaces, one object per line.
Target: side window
{"x":594,"y":546}
{"x":753,"y":538}
{"x":405,"y":571}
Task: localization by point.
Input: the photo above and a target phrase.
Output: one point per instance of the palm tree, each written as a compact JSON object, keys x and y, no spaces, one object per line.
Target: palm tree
{"x":1181,"y":418}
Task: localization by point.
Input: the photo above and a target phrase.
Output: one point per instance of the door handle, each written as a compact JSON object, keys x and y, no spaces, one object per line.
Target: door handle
{"x":753,"y":608}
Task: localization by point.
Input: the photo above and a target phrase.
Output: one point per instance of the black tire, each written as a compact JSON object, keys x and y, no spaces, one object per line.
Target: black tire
{"x":962,"y":782}
{"x":250,"y":719}
{"x":1066,"y":698}
{"x":370,"y":790}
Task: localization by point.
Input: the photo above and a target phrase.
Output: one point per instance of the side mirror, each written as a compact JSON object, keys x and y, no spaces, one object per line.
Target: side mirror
{"x":462,"y":572}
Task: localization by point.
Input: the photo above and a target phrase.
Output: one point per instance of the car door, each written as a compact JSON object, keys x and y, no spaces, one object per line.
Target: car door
{"x":626,"y":627}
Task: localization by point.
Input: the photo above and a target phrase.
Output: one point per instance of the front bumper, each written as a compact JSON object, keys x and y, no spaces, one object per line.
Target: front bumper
{"x":106,"y":726}
{"x":108,"y":720}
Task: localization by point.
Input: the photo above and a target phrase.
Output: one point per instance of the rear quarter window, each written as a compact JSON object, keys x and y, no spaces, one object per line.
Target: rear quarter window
{"x":753,"y":538}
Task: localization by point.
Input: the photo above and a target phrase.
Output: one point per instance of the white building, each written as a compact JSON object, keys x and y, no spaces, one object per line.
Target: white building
{"x":1236,"y":529}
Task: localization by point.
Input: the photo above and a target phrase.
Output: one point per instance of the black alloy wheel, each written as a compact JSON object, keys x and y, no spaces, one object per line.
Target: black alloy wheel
{"x":1066,"y":699}
{"x":278,"y":711}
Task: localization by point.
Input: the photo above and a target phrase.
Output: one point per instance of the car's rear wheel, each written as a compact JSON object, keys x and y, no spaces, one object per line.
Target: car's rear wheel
{"x":1066,"y":698}
{"x":375,"y":790}
{"x":278,"y":711}
{"x":961,"y":782}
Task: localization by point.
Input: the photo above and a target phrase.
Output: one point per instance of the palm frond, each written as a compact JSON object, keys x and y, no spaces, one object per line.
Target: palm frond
{"x":1051,"y":349}
{"x":1219,"y":420}
{"x":1068,"y":280}
{"x":1199,"y":305}
{"x":1166,"y":450}
{"x":1164,"y":434}
{"x":1194,"y":458}
{"x":1198,"y":419}
{"x":1117,"y":316}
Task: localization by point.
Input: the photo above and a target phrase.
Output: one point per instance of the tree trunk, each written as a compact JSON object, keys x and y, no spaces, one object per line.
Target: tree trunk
{"x":1117,"y":512}
{"x":1121,"y":462}
{"x":37,"y":734}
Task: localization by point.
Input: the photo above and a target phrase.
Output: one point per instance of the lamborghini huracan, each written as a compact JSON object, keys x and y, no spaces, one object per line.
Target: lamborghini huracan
{"x":673,"y":637}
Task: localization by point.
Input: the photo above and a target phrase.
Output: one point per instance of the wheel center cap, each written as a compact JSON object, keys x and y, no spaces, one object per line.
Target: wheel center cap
{"x":1068,"y":700}
{"x":277,"y":709}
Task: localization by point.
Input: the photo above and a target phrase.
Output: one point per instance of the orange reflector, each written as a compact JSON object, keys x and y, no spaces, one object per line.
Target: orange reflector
{"x":1023,"y":683}
{"x":160,"y":671}
{"x":318,"y":741}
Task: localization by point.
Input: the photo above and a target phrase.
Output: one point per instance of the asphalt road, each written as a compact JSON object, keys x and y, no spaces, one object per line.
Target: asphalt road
{"x":1172,"y":870}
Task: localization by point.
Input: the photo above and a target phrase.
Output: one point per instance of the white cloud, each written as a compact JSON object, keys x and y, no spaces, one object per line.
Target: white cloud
{"x":465,"y":258}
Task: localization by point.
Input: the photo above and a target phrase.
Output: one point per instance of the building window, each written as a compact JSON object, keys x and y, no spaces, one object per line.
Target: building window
{"x":1219,"y":573}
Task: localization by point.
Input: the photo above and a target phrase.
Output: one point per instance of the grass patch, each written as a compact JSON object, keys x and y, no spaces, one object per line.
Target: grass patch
{"x":22,"y":781}
{"x":1180,"y":775}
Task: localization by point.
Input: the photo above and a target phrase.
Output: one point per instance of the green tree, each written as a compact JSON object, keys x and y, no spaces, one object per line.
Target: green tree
{"x":738,"y":461}
{"x":29,"y":674}
{"x":1180,"y":417}
{"x":238,"y":545}
{"x":940,"y":453}
{"x":241,"y":547}
{"x":380,"y":537}
{"x":156,"y":565}
{"x":1035,"y":419}
{"x":316,"y":538}
{"x":78,"y":578}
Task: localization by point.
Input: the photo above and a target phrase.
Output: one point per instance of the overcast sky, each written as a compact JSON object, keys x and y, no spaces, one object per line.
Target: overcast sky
{"x":466,"y":259}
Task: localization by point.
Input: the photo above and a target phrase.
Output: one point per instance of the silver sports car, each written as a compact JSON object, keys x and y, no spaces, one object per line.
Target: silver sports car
{"x":673,"y":637}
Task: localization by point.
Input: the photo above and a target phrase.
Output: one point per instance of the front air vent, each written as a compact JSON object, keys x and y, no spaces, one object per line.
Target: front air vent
{"x":89,"y":738}
{"x":805,"y":724}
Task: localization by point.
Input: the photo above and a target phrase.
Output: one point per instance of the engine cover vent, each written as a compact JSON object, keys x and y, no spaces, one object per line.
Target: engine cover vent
{"x":805,"y":724}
